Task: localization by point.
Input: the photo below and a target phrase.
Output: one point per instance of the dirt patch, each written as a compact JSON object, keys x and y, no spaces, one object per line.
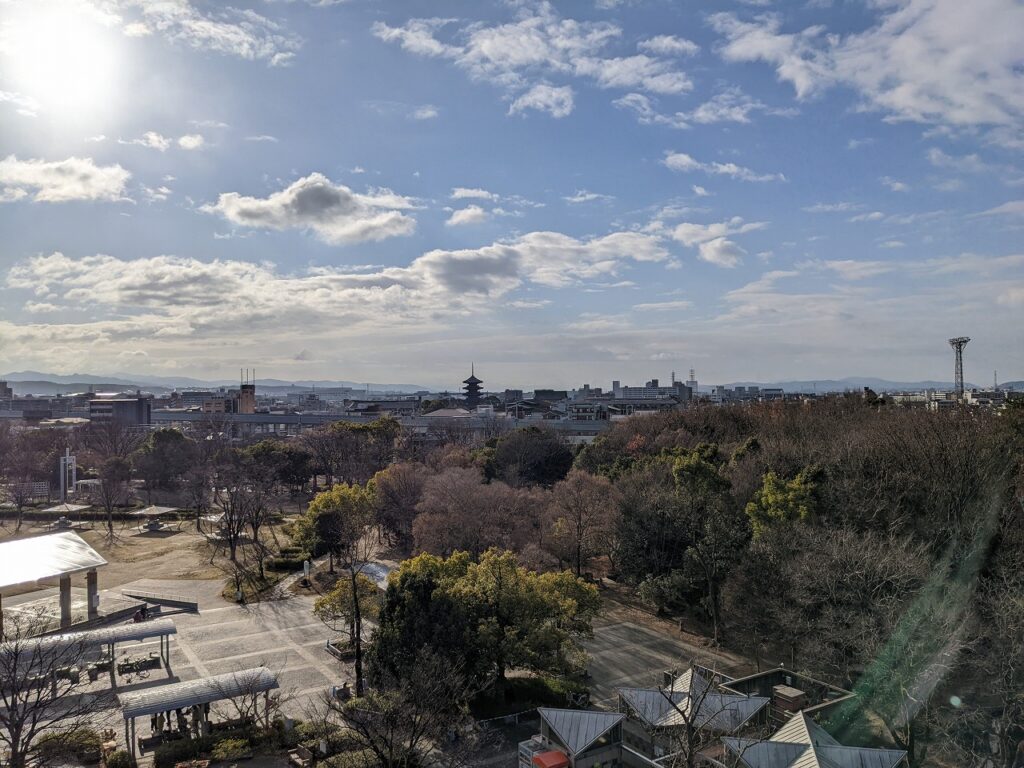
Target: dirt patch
{"x":176,"y":553}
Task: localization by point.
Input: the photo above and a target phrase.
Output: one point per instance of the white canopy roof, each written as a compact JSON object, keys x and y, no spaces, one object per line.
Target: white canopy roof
{"x":119,"y":633}
{"x":154,"y":511}
{"x":165,"y":698}
{"x":28,"y":561}
{"x":66,"y":509}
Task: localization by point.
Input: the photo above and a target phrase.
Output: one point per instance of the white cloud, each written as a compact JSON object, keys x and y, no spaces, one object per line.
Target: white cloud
{"x":262,"y":137}
{"x":164,"y":300}
{"x":888,"y":244}
{"x":932,"y":61}
{"x":711,"y":240}
{"x":538,"y":46}
{"x":136,"y":29}
{"x":646,"y":112}
{"x":1012,"y":296}
{"x":872,"y":216}
{"x":556,"y":101}
{"x":471,"y":214}
{"x":472,"y":193}
{"x":963,"y":163}
{"x":895,"y":185}
{"x":663,"y":306}
{"x":425,"y":112}
{"x":333,"y":211}
{"x":795,"y":56}
{"x":640,"y":71}
{"x":699,"y":191}
{"x":851,"y":269}
{"x":226,"y":30}
{"x":62,"y":180}
{"x":731,"y":105}
{"x":668,"y":45}
{"x":25,"y":106}
{"x":585,"y":196}
{"x":1012,"y":208}
{"x":683,"y":163}
{"x":156,"y":195}
{"x":191,"y":141}
{"x":151,"y":140}
{"x":219,"y":125}
{"x":832,"y":207}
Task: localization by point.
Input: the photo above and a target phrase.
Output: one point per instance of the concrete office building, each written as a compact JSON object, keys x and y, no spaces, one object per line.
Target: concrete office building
{"x":130,"y":411}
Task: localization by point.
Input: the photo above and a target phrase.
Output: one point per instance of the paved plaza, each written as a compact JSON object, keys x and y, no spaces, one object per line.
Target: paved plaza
{"x":629,"y":654}
{"x":282,"y":635}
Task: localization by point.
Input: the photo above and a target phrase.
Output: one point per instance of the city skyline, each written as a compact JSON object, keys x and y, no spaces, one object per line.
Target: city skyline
{"x":564,"y":192}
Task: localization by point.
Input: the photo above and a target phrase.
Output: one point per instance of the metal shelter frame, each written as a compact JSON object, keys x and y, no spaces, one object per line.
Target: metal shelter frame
{"x":196,"y":694}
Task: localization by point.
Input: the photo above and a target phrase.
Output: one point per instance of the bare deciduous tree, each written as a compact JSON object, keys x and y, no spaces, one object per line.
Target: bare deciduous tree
{"x":421,"y":720}
{"x":582,"y":515}
{"x":42,"y":688}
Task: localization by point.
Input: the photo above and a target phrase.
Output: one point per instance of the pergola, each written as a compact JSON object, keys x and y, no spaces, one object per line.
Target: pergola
{"x":194,"y":695}
{"x":25,"y":562}
{"x":29,"y":652}
{"x":65,"y":510}
{"x":153,"y":515}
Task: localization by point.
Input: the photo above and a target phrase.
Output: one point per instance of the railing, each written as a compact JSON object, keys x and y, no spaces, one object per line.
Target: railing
{"x":179,"y":601}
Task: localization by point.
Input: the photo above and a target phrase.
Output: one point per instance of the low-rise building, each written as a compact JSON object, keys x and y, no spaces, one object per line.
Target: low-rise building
{"x":574,"y":738}
{"x":692,"y":706}
{"x":802,"y":743}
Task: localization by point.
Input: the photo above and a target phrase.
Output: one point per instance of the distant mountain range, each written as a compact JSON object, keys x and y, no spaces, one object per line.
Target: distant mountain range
{"x":854,"y":383}
{"x":36,"y":382}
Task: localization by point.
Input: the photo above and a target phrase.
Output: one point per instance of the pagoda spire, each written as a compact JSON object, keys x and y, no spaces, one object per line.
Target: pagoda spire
{"x":472,"y":388}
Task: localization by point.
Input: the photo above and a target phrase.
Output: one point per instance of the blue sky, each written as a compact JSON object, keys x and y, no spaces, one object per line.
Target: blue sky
{"x":563,"y":192}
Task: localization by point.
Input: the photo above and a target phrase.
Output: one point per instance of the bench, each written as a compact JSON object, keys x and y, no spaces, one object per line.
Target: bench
{"x":300,"y":757}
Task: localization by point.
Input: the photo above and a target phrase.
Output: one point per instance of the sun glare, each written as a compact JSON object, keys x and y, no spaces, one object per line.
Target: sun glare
{"x":60,"y":56}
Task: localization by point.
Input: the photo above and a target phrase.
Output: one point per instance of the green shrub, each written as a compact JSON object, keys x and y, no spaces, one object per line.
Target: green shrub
{"x":81,"y":743}
{"x":231,"y":749}
{"x":119,"y":759}
{"x":359,"y":758}
{"x":168,"y":754}
{"x":282,"y":563}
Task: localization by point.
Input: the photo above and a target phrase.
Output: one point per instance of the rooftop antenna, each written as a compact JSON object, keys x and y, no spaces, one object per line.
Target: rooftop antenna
{"x":958,"y":343}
